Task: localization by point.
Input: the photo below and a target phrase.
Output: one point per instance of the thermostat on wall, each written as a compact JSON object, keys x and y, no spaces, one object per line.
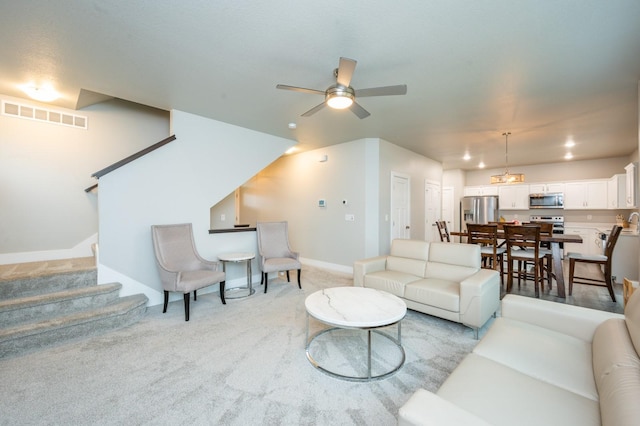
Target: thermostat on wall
{"x":321,"y":203}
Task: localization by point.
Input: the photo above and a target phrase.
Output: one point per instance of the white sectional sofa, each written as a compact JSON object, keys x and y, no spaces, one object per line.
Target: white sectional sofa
{"x":542,"y":363}
{"x":440,"y":279}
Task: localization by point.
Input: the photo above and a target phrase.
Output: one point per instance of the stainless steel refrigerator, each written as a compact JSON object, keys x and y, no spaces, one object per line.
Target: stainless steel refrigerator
{"x":478,"y":209}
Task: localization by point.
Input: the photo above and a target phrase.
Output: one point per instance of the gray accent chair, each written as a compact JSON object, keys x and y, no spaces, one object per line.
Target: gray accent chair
{"x":181,"y":267}
{"x":275,"y":253}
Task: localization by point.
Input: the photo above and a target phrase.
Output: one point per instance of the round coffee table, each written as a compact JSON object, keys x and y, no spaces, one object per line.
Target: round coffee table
{"x":356,"y":308}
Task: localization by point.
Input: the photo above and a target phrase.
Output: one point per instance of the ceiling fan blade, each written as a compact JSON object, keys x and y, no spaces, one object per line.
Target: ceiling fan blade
{"x":382,"y":91}
{"x":359,"y":111}
{"x":300,"y":89}
{"x":313,"y":110}
{"x":345,"y":71}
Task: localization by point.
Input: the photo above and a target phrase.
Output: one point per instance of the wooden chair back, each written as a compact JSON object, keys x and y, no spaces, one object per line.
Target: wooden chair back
{"x":443,"y":231}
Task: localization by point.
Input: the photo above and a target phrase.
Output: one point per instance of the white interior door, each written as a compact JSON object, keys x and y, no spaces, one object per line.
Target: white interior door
{"x":400,"y":206}
{"x":432,"y":210}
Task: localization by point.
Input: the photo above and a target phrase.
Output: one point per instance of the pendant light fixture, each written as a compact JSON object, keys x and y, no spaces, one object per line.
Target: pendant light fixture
{"x":507,"y":177}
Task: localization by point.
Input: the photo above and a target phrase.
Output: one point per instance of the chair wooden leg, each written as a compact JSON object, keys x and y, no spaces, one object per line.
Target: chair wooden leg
{"x":266,"y":281}
{"x":299,"y":285}
{"x":187,"y":296}
{"x":288,"y":279}
{"x":195,"y":295}
{"x":261,"y":278}
{"x":166,"y":301}
{"x":222,"y":284}
{"x":509,"y":275}
{"x":572,"y":267}
{"x":608,"y":280}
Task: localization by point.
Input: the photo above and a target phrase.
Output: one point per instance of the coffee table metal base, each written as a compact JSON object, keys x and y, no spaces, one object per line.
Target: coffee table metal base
{"x":369,"y":377}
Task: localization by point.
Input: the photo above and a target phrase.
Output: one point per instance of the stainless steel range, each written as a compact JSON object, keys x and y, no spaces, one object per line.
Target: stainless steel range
{"x":557,"y":221}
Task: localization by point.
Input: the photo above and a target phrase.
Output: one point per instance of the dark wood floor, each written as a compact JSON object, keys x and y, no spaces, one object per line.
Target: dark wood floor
{"x":583,"y":295}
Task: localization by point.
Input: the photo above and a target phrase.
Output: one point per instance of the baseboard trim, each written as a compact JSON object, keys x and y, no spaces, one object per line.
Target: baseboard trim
{"x":327,"y":265}
{"x":83,"y":249}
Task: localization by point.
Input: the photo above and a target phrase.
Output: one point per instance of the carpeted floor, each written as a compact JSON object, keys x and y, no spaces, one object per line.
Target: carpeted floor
{"x":239,"y":364}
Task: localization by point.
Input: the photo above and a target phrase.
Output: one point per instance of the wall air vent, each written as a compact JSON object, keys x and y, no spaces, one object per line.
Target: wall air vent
{"x":13,"y":109}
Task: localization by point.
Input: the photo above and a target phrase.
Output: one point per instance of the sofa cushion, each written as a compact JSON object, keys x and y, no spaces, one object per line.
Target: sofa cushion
{"x":445,"y":294}
{"x":501,"y":395}
{"x":455,"y":254}
{"x":543,"y":354}
{"x":407,"y":265}
{"x":616,"y":368}
{"x":390,"y":281}
{"x":411,"y":249}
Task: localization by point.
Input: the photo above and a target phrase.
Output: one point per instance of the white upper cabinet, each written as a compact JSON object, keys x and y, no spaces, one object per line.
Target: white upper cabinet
{"x":514,"y":197}
{"x":585,"y":195}
{"x":480,"y":190}
{"x":632,"y":184}
{"x":546,"y":188}
{"x":616,"y":192}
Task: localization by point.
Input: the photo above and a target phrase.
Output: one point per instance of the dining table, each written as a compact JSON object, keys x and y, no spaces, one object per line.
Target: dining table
{"x":554,"y":241}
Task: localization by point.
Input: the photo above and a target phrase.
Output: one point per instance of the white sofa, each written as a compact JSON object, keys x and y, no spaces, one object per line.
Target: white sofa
{"x":542,"y":363}
{"x":440,"y":279}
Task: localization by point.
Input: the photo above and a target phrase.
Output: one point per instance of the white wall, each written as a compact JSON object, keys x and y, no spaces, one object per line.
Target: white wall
{"x":566,"y":171}
{"x":290,"y":188}
{"x":175,"y":184}
{"x":44,"y":169}
{"x":419,"y":168}
{"x":357,"y":171}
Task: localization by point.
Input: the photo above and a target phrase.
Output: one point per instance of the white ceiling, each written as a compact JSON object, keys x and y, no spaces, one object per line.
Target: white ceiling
{"x":543,"y":70}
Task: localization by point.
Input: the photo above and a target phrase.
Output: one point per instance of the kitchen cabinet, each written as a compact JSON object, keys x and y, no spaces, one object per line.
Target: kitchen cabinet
{"x":591,"y":244}
{"x":514,"y":197}
{"x":632,"y":184}
{"x":546,"y":188}
{"x":616,"y":192}
{"x":585,"y":195}
{"x":480,"y":190}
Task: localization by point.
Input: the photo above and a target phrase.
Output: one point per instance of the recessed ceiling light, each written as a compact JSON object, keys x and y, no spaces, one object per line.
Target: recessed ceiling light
{"x":568,"y":156}
{"x":570,"y":143}
{"x":292,"y":126}
{"x":44,"y":93}
{"x":481,"y":165}
{"x":466,"y":157}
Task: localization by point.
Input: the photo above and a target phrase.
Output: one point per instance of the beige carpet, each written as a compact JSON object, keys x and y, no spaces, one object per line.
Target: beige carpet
{"x":239,"y":364}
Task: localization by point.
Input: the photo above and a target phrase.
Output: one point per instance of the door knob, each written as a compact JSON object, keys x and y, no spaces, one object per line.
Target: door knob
{"x":407,"y":227}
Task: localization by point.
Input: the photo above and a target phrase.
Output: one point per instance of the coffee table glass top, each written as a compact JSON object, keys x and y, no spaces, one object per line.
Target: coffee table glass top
{"x":355,"y":307}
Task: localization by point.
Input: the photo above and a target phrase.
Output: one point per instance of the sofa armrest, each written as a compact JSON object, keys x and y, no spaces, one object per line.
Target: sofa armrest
{"x":479,"y":297}
{"x":367,"y":266}
{"x":572,"y":320}
{"x":426,"y":408}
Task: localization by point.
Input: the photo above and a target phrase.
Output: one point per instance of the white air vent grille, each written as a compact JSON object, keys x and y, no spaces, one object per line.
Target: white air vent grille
{"x":14,"y":109}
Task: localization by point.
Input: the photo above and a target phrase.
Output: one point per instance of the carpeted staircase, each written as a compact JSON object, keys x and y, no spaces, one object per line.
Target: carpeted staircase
{"x":42,"y":310}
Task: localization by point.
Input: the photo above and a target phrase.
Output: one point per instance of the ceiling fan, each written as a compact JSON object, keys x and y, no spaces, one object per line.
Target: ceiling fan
{"x":341,"y":95}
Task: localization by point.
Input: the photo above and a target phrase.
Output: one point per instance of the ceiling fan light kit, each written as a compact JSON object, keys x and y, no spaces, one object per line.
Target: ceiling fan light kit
{"x":507,"y":177}
{"x":341,"y":95}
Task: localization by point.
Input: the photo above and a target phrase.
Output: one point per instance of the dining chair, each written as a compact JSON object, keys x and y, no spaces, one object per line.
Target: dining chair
{"x":523,"y":245}
{"x":275,"y":253}
{"x":443,"y":231}
{"x":545,"y":249}
{"x":181,"y":268}
{"x":604,"y":260}
{"x":487,"y":237}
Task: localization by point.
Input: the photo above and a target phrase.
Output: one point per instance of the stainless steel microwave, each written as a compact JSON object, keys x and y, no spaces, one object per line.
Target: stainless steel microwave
{"x":553,"y":200}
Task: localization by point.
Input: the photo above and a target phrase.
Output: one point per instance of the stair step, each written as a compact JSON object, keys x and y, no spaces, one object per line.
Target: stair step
{"x":43,"y":306}
{"x":22,"y":338}
{"x":31,"y":286}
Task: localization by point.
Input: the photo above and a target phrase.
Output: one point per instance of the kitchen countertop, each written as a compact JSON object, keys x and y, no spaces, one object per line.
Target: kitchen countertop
{"x":602,"y":227}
